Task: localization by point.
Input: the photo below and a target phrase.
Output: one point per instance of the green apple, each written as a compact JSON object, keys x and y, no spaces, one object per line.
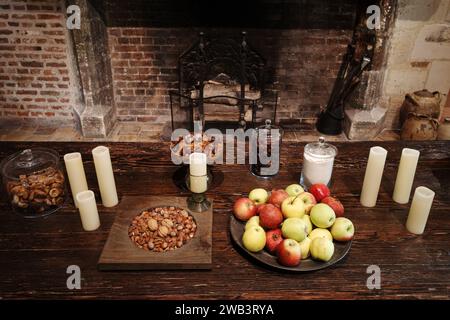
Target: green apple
{"x":294,"y":190}
{"x":322,"y":249}
{"x":294,"y":228}
{"x":322,"y":215}
{"x":258,"y":195}
{"x":308,"y":223}
{"x":252,"y":222}
{"x":320,"y":233}
{"x":254,"y":239}
{"x":304,"y":245}
{"x":293,"y":207}
{"x":342,"y":229}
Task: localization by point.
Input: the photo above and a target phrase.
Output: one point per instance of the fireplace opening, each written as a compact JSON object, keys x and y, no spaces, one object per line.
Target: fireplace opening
{"x":222,"y":85}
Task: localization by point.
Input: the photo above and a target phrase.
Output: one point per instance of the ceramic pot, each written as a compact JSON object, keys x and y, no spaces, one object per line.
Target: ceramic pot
{"x":421,"y":102}
{"x":419,"y":127}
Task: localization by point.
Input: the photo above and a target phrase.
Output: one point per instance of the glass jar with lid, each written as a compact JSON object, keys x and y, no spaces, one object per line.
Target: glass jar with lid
{"x":34,"y":181}
{"x":266,"y":150}
{"x":318,"y":161}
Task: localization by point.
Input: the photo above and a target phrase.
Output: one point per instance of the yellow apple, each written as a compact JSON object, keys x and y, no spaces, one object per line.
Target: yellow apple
{"x":293,"y":207}
{"x":320,"y":233}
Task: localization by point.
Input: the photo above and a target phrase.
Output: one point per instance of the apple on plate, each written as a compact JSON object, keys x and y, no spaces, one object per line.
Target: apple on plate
{"x":273,"y":239}
{"x":322,"y":215}
{"x":252,"y":222}
{"x":308,"y":223}
{"x":254,"y":239}
{"x":322,"y":249}
{"x":289,"y":253}
{"x":304,"y":245}
{"x":342,"y":229}
{"x":294,"y":190}
{"x":277,"y":197}
{"x":335,"y":204}
{"x":294,"y":228}
{"x":258,"y":195}
{"x":309,"y":200}
{"x":319,"y":191}
{"x":293,"y":207}
{"x":270,"y":217}
{"x":320,"y":233}
{"x":244,"y":209}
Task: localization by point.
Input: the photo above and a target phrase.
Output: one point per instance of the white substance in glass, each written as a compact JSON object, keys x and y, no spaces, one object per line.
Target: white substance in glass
{"x":317,"y":170}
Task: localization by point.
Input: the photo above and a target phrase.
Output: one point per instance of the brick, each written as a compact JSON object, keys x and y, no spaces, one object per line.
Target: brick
{"x":32,"y":64}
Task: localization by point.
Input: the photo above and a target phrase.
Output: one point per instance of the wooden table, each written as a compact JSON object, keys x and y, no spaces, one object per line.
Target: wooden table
{"x":34,"y":254}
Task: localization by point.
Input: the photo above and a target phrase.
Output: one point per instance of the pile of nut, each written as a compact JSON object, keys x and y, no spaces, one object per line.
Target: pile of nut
{"x":162,"y":229}
{"x":38,"y":191}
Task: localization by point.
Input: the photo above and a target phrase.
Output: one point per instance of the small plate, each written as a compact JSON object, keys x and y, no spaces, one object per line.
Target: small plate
{"x":341,"y":249}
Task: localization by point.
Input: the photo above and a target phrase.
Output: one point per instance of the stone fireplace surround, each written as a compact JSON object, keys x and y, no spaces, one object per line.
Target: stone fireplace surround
{"x":122,"y":63}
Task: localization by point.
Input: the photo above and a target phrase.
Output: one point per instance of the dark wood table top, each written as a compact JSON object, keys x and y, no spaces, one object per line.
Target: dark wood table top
{"x":34,"y":254}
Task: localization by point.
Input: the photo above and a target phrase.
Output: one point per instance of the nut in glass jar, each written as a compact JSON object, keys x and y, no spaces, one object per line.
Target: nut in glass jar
{"x":34,"y":181}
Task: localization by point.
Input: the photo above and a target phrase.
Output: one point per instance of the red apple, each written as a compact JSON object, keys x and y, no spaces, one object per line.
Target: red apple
{"x":319,"y":191}
{"x":277,"y":197}
{"x":289,"y":253}
{"x":244,"y":209}
{"x":273,"y":239}
{"x":335,"y":204}
{"x":270,"y":217}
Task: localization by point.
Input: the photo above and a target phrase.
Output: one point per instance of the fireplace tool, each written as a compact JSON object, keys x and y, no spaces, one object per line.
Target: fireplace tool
{"x":330,"y":120}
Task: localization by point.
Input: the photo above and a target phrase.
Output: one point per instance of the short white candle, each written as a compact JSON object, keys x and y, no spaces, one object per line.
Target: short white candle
{"x":105,"y":176}
{"x":405,"y":175}
{"x":76,"y":174}
{"x":198,"y":184}
{"x":197,"y":164}
{"x":420,"y":210}
{"x":88,"y":210}
{"x":372,"y":178}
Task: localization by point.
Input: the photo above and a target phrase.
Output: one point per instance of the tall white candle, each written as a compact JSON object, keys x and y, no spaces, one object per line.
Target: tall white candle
{"x":197,"y":164}
{"x":405,"y":175}
{"x":88,"y":210}
{"x":105,"y":176}
{"x":420,"y":210}
{"x":76,"y":174}
{"x":372,"y":178}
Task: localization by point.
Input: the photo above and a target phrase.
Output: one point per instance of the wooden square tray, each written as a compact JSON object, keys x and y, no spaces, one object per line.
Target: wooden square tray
{"x":120,"y":253}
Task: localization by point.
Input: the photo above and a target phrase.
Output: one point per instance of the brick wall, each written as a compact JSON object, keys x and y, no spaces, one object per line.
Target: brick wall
{"x":302,"y":65}
{"x":34,"y":69}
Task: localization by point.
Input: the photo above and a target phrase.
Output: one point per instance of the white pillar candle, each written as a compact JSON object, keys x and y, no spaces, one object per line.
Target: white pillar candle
{"x":88,"y":210}
{"x":76,"y":174}
{"x":197,"y":164}
{"x":405,"y":175}
{"x":198,"y":184}
{"x":420,"y":210}
{"x":372,"y":178}
{"x":105,"y":176}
